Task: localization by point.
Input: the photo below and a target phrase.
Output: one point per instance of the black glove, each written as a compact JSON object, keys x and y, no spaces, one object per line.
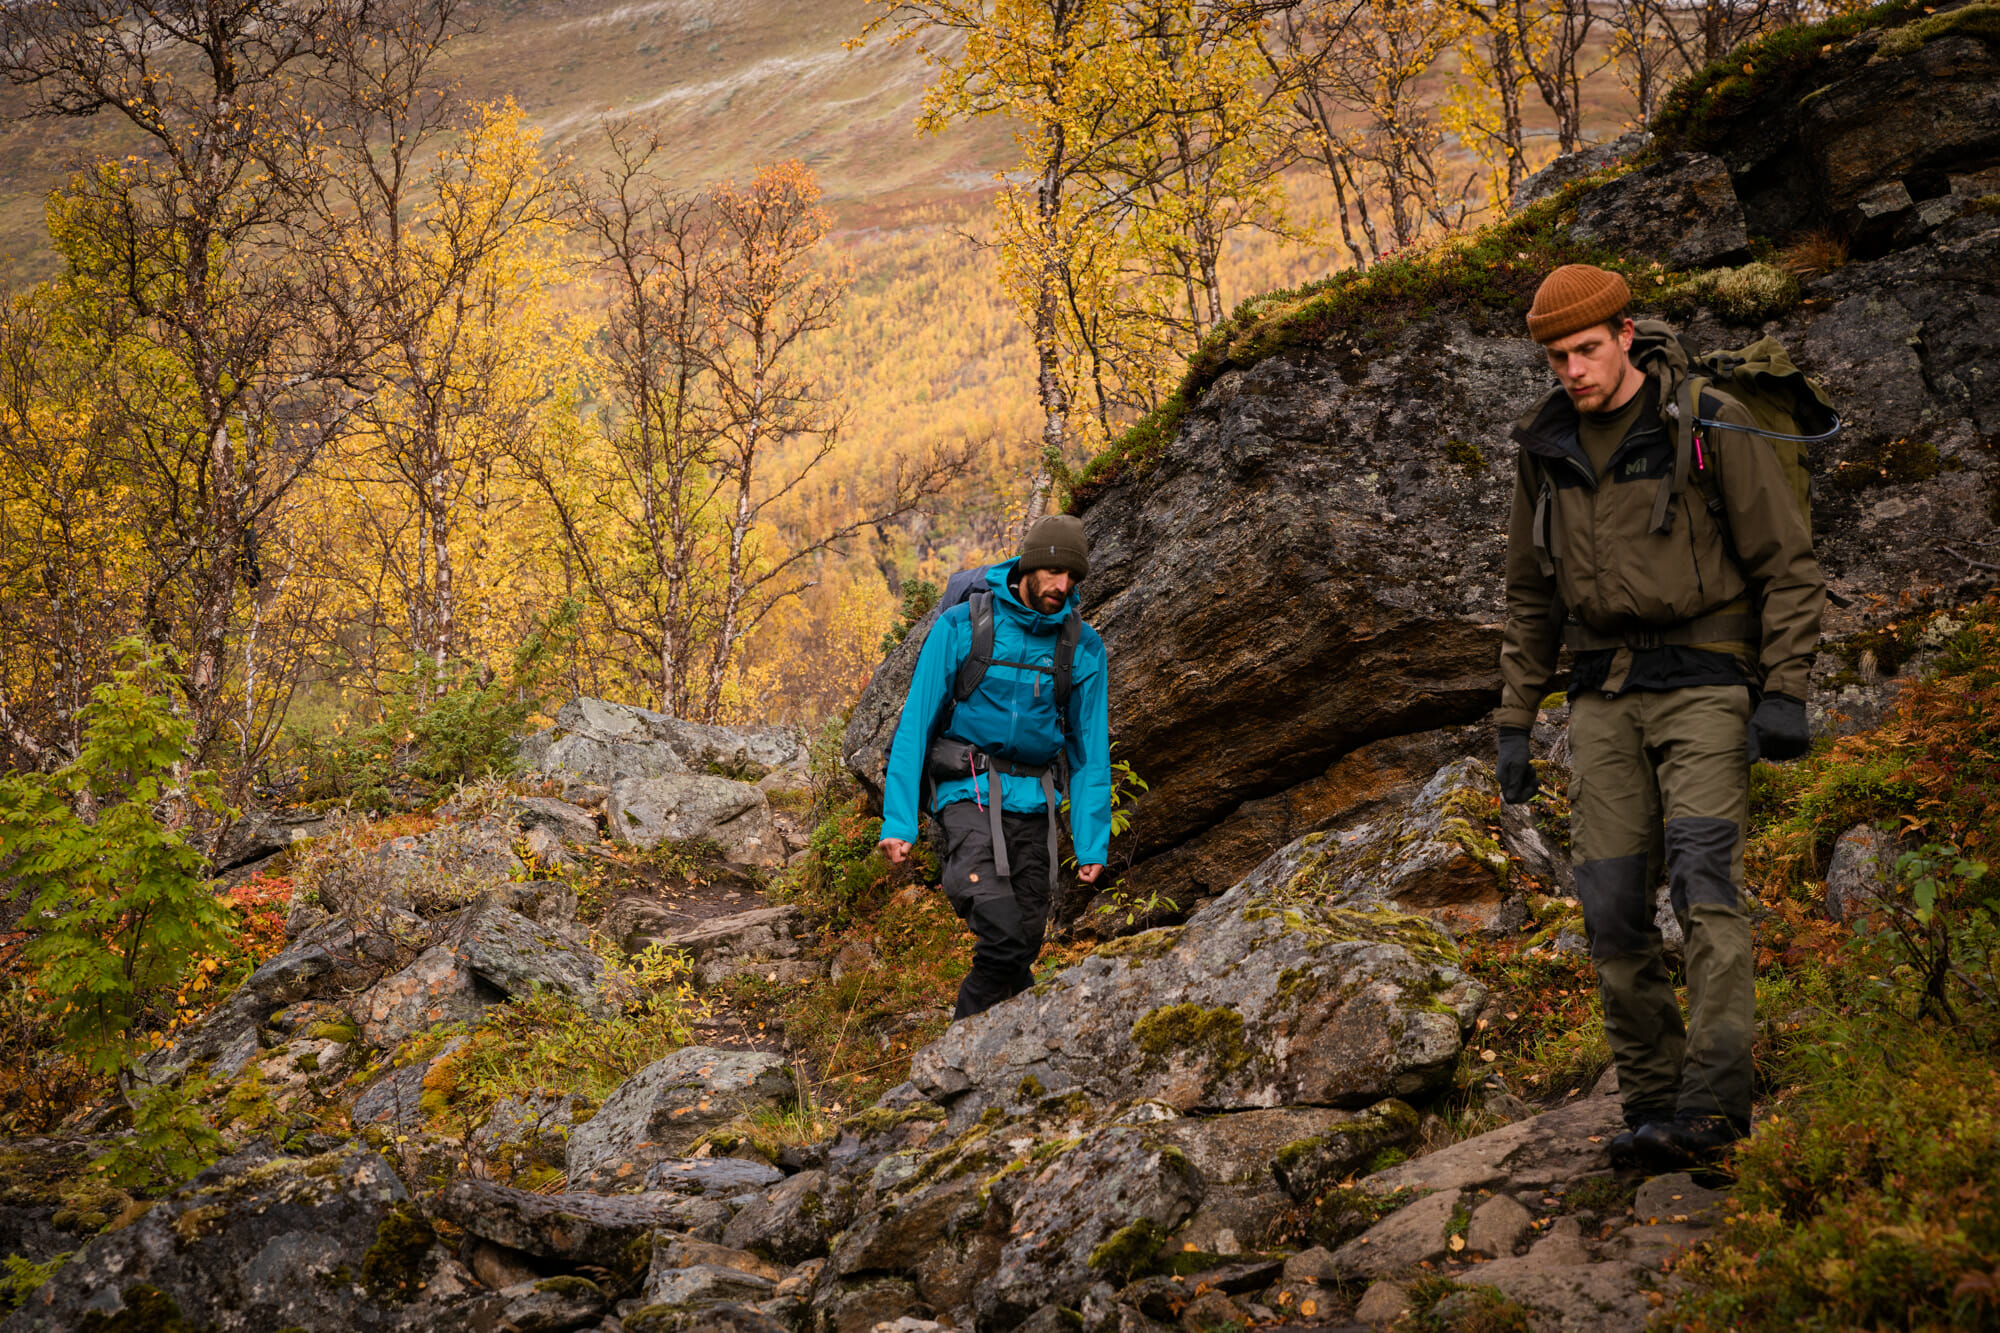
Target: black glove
{"x":1518,"y":783}
{"x":1778,"y":729}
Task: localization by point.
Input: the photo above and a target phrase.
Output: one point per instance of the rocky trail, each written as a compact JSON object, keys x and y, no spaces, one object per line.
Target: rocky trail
{"x":1157,"y":1138}
{"x":1275,"y":1107}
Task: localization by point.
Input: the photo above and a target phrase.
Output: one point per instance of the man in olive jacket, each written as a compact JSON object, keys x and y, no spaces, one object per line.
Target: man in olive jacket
{"x":1692,"y":618}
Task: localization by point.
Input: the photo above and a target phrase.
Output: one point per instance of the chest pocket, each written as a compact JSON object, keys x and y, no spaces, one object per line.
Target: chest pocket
{"x":1649,"y":461}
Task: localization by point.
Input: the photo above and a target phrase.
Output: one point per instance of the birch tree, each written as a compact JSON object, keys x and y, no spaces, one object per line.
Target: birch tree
{"x":666,"y":497}
{"x":197,"y":255}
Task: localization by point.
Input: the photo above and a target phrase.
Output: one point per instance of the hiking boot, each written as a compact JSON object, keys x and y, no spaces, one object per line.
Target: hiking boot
{"x":1687,"y":1140}
{"x":1625,"y":1152}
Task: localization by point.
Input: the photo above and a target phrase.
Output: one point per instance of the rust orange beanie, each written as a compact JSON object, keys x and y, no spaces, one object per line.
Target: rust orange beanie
{"x":1573,"y":298}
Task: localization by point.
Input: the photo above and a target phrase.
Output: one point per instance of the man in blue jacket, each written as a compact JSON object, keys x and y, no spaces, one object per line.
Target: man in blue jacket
{"x":994,"y":732}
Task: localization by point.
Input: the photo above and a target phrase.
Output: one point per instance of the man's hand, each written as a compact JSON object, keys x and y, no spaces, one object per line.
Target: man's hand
{"x":1518,"y":783}
{"x":895,"y":849}
{"x":1778,"y":729}
{"x":1089,"y":874}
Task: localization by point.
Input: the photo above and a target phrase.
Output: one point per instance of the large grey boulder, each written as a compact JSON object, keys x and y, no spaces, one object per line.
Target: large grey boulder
{"x":331,"y":960}
{"x":566,"y":822}
{"x":1363,"y":784}
{"x":1272,"y":995}
{"x":1415,"y":1234}
{"x":262,"y":833}
{"x":395,"y":1099}
{"x":1104,"y":1207}
{"x":253,"y":1243}
{"x":439,"y":987}
{"x":1571,"y":167}
{"x":590,"y":761}
{"x":575,"y":1228}
{"x":1454,"y":853}
{"x":662,"y":1110}
{"x":1682,"y":208}
{"x":764,"y":940}
{"x":1547,"y":1149}
{"x":508,"y":951}
{"x":645,"y":812}
{"x":1255,"y":1165}
{"x":796,"y":1220}
{"x":602,"y":743}
{"x":1911,"y":104}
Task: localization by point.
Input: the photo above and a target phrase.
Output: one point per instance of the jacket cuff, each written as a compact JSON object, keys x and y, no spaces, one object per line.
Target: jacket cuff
{"x":1793,"y":680}
{"x":1510,"y":715}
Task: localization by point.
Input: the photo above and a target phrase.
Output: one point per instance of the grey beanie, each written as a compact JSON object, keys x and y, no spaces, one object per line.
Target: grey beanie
{"x":1056,"y":542}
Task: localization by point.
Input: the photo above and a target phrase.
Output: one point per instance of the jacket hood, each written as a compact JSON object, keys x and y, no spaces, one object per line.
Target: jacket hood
{"x":997,"y":579}
{"x":1549,"y":427}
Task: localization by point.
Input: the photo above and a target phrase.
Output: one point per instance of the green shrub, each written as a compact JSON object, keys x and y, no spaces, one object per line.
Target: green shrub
{"x":544,"y":1043}
{"x":843,"y":872}
{"x":122,"y":906}
{"x":1874,"y":1201}
{"x":919,"y":596}
{"x":1869,"y":1195}
{"x":444,"y":722}
{"x":1440,"y":1305}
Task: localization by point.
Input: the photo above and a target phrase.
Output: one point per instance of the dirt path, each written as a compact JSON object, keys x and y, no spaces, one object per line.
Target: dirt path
{"x":692,"y":898}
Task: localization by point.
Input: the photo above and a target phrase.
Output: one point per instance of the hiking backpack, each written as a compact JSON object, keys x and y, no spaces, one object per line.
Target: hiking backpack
{"x":1790,"y":410}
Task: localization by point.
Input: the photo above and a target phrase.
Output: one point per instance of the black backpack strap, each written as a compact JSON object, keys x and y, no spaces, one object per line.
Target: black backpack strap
{"x":972,"y":669}
{"x":1065,"y":664}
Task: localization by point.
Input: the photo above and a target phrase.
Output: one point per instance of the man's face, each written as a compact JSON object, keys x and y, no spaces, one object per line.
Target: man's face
{"x":1045,"y":590}
{"x":1595,"y":366}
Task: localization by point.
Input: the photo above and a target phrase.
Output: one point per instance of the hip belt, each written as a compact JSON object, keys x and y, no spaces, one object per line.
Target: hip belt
{"x":1734,"y":623}
{"x":951,"y":759}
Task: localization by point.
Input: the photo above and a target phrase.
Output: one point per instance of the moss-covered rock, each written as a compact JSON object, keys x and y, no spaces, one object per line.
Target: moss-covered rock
{"x":393,"y":1266}
{"x":1301,"y":985}
{"x":254,"y":1242}
{"x":1100,"y":1207}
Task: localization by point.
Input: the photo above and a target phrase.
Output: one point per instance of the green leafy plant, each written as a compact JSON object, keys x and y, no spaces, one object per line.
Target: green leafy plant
{"x":544,"y":1044}
{"x":830,"y":784}
{"x":843,"y":870}
{"x":121,"y":904}
{"x":445,"y":722}
{"x":171,"y":1139}
{"x":919,"y":596}
{"x":22,"y":1277}
{"x":1135,"y":908}
{"x":1948,"y":937}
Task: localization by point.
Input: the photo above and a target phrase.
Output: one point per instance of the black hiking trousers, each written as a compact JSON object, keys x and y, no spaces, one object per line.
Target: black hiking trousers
{"x":1007,"y":917}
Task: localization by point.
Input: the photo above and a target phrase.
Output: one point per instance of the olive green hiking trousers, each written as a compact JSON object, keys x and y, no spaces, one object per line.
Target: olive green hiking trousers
{"x":1664,"y":777}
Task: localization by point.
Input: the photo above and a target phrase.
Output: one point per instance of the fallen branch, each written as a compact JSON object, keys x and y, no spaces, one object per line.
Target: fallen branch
{"x":1966,"y":559}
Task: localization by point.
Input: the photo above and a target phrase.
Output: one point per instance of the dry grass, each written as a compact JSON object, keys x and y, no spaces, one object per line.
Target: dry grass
{"x":1814,"y":253}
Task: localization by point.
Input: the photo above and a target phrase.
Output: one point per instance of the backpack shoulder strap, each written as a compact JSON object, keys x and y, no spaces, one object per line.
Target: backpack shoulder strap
{"x":979,"y":656}
{"x":1686,"y":409}
{"x":1065,"y":663}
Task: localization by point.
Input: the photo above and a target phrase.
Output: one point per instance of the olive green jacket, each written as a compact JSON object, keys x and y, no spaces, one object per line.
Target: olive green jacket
{"x":1600,"y":567}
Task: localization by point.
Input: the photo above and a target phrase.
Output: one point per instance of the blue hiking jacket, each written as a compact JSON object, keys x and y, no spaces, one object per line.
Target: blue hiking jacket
{"x":1012,"y":714}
